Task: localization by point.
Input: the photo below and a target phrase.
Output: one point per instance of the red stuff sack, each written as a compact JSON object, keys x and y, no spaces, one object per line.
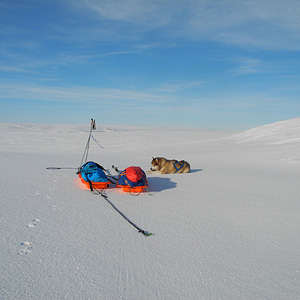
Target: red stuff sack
{"x":134,"y":174}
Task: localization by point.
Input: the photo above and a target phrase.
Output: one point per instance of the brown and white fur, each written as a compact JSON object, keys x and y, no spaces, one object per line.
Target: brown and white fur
{"x":161,"y":165}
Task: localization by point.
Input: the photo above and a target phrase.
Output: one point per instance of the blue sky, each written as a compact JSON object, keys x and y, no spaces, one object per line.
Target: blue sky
{"x":214,"y":64}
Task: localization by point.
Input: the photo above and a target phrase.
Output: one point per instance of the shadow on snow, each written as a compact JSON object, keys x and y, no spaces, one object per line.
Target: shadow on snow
{"x":158,"y":184}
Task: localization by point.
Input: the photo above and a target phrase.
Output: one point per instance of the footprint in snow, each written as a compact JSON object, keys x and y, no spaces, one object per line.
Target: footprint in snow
{"x":33,"y":223}
{"x":34,"y":194}
{"x":54,"y":208}
{"x":26,"y":248}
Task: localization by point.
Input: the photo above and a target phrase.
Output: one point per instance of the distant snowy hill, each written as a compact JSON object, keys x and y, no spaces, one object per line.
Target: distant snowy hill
{"x":276,"y":133}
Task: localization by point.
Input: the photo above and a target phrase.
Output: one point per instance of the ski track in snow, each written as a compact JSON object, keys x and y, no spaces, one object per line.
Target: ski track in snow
{"x":228,"y":230}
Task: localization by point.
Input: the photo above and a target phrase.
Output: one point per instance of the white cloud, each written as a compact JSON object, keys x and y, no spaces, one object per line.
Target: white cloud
{"x":249,"y":65}
{"x":77,"y":94}
{"x":135,"y":11}
{"x":171,"y":87}
{"x":269,"y":24}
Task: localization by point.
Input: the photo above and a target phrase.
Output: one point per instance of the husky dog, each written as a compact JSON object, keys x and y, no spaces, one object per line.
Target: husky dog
{"x":161,"y":165}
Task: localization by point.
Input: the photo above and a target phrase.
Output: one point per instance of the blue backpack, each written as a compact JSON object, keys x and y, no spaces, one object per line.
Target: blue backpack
{"x":92,"y":172}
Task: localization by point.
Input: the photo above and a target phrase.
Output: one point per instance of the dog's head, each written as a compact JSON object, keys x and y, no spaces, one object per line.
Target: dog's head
{"x":155,"y":165}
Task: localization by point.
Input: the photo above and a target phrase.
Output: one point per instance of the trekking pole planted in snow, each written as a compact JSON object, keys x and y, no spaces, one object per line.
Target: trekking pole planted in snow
{"x":85,"y":154}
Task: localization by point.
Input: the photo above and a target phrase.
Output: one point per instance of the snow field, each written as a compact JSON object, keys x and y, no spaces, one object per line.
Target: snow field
{"x":227,"y":230}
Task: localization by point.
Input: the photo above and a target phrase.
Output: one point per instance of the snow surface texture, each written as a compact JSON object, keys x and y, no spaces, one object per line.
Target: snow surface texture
{"x":227,"y":230}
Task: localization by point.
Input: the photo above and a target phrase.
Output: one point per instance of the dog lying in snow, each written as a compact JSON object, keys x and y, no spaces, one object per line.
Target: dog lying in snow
{"x":161,"y":165}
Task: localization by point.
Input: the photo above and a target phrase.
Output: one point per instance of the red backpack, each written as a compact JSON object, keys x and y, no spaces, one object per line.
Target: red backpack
{"x":134,"y":174}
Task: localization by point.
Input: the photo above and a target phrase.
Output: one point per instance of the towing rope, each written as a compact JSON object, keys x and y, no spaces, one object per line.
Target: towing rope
{"x":144,"y":232}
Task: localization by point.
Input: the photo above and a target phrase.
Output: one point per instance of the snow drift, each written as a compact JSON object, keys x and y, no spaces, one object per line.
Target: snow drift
{"x":276,"y":133}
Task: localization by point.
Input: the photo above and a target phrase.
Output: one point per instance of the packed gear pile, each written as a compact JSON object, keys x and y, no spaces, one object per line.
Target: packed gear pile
{"x":132,"y":179}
